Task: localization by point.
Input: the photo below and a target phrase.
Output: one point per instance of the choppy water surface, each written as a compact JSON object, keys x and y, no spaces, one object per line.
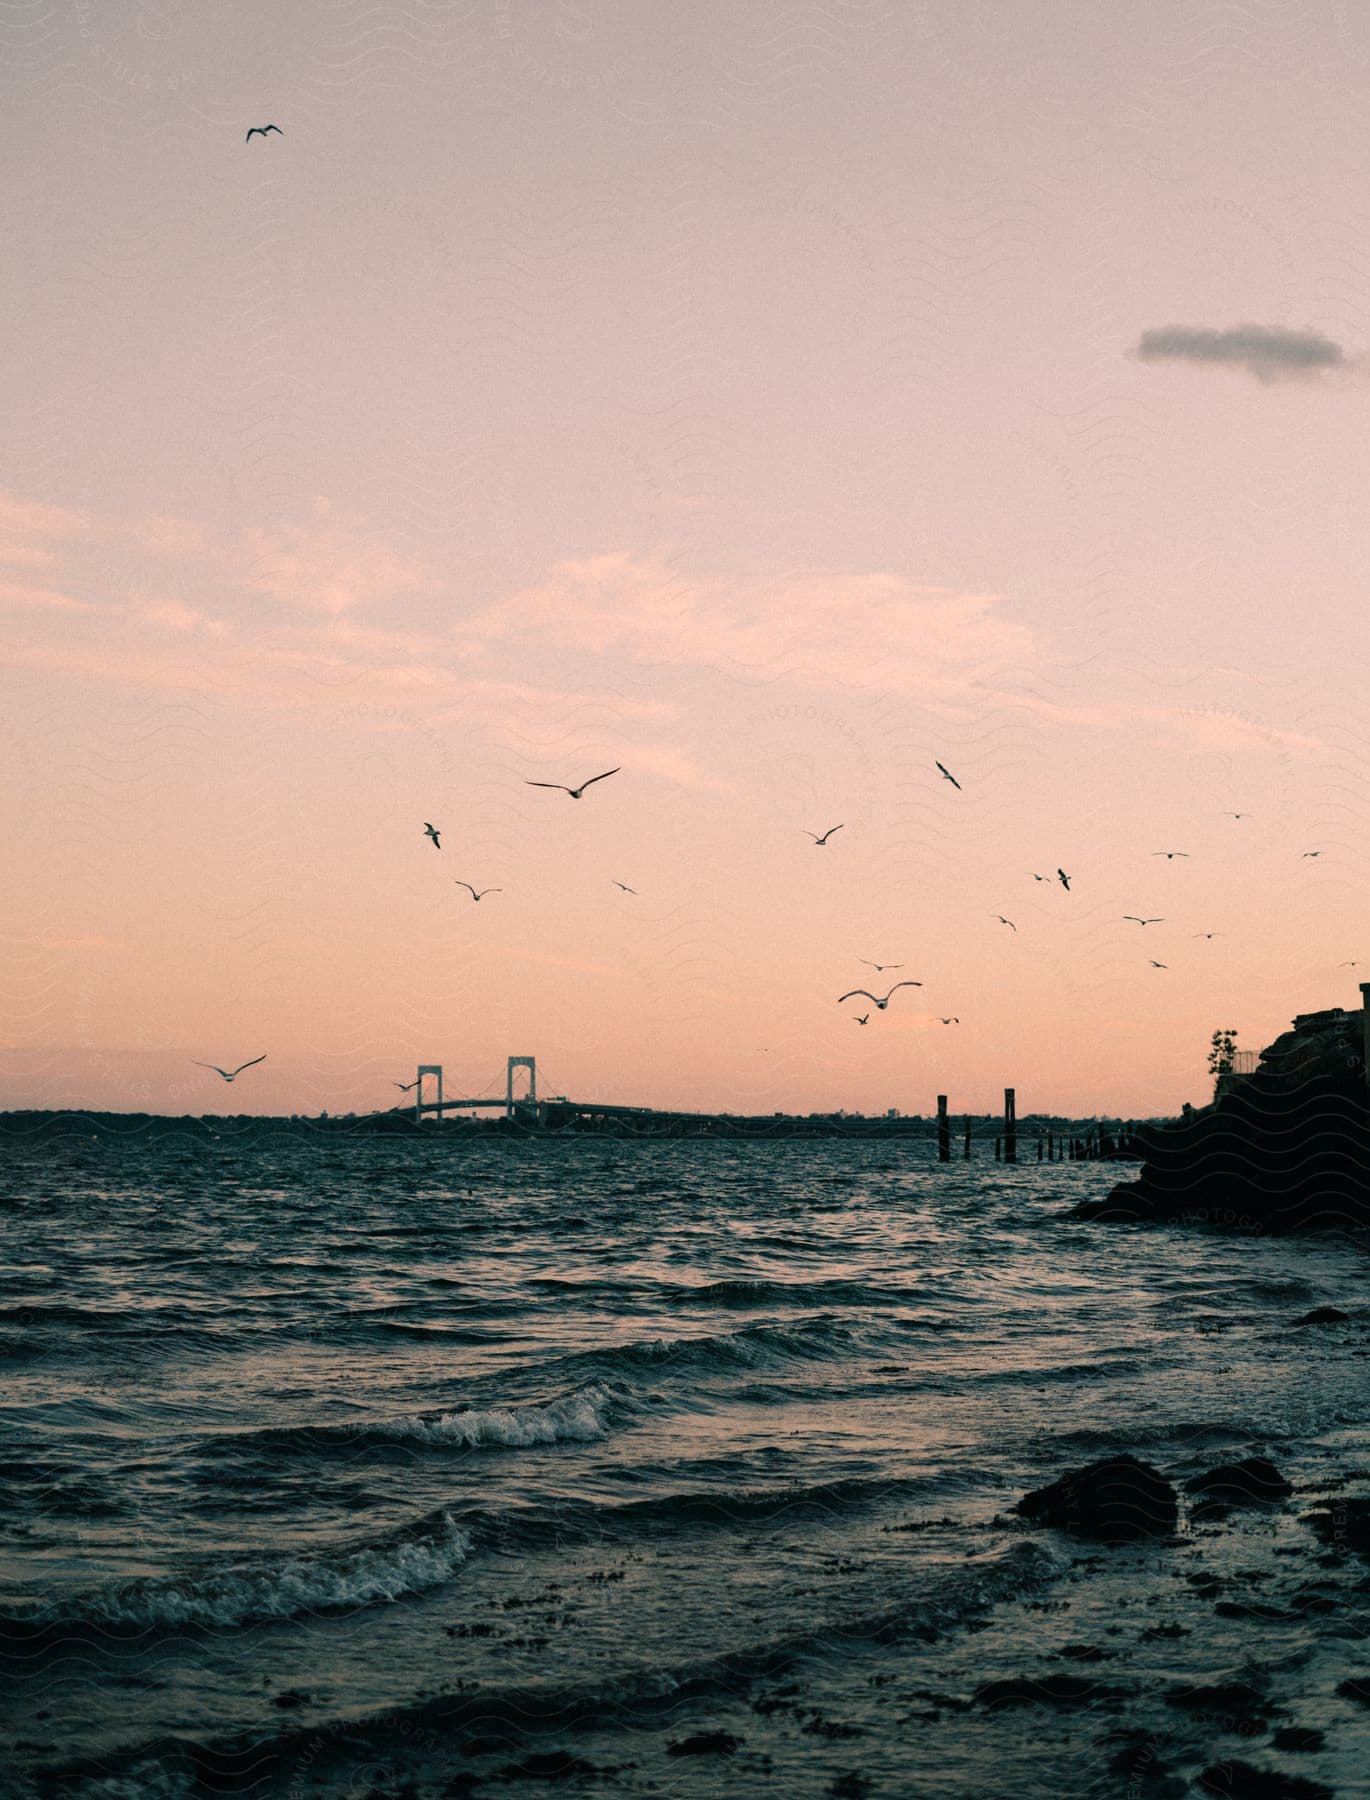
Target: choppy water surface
{"x":329,"y":1465}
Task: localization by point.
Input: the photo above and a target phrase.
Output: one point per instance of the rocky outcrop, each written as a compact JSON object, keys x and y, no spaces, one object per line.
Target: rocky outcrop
{"x":1284,"y":1149}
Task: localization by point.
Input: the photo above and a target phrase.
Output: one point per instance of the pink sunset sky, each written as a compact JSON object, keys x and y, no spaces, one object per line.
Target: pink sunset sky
{"x":751,"y":397}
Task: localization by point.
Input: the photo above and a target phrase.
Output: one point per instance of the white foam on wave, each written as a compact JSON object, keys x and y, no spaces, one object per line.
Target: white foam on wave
{"x":251,"y":1593}
{"x":577,"y":1418}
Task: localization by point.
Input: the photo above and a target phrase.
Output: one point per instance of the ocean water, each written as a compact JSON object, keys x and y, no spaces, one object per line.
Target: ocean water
{"x":483,"y":1464}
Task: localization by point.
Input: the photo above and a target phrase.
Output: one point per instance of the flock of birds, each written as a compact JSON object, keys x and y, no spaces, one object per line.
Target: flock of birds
{"x":879,"y":1001}
{"x":1061,"y":876}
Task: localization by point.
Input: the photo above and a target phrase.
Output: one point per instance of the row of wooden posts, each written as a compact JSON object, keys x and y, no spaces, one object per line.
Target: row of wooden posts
{"x":1053,"y":1147}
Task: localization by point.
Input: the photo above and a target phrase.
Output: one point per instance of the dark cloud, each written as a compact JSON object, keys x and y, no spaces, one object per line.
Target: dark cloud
{"x":1269,"y":352}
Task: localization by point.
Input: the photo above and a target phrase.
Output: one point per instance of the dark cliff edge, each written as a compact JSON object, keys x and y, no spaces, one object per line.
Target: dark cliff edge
{"x":1284,"y":1149}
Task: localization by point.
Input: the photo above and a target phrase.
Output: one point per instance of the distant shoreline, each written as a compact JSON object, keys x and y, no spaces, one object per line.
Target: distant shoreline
{"x":67,"y":1122}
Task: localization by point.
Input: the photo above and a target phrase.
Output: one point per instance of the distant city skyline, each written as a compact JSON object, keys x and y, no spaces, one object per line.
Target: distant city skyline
{"x":770,"y":413}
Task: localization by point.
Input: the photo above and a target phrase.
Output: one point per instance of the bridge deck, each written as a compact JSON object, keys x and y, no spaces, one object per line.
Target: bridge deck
{"x":452,"y":1105}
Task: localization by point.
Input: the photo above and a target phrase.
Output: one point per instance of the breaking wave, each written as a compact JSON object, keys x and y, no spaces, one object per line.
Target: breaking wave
{"x":411,"y":1561}
{"x":579,"y":1417}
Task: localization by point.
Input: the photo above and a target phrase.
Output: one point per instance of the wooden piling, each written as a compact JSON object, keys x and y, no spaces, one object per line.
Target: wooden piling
{"x":966,"y":1152}
{"x":1010,"y":1126}
{"x":943,"y":1130}
{"x":997,"y":1143}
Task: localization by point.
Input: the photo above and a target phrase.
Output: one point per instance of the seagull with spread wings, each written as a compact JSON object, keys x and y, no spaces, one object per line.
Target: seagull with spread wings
{"x":1170,"y":855}
{"x":866,"y":994}
{"x":483,"y":892}
{"x":1156,"y":965}
{"x":949,"y":1021}
{"x":261,"y":131}
{"x":1134,"y":920}
{"x":1003,"y":921}
{"x":230,"y":1074}
{"x":575,"y":793}
{"x":405,"y":1087}
{"x":948,"y":776}
{"x":624,"y":886}
{"x":878,"y":967}
{"x":864,"y":1019}
{"x":431,"y":831}
{"x":1064,"y":879}
{"x":820,"y":841}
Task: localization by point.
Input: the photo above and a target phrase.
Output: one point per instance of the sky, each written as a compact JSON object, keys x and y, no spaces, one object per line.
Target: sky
{"x":770,"y":401}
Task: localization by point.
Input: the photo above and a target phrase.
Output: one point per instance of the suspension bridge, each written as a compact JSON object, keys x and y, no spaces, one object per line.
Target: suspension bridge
{"x":558,"y":1113}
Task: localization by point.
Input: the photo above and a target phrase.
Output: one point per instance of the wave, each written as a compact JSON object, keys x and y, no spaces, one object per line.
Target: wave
{"x":641,"y":1698}
{"x":599,"y":1396}
{"x":449,"y":1334}
{"x":31,"y":1314}
{"x":700,"y":1509}
{"x":1037,"y":1375}
{"x":1211,"y":1433}
{"x":410,"y":1561}
{"x":734,"y":1291}
{"x":421,"y":1556}
{"x":578,"y":1417}
{"x":758,"y":1346}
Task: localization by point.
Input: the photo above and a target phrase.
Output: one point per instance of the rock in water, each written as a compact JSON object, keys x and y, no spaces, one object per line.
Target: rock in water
{"x":1254,"y":1481}
{"x":1240,"y":1781}
{"x":1323,"y":1315}
{"x":1117,"y":1501}
{"x":1232,"y":1705}
{"x":1046,"y":1690}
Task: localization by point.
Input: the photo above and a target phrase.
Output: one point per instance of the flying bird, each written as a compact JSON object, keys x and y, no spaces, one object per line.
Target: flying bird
{"x":1312,"y":853}
{"x":865,"y":1019}
{"x":230,"y":1074}
{"x":866,"y":994}
{"x":1003,"y":921}
{"x":1209,"y":934}
{"x":483,"y":892}
{"x":1133,"y":919}
{"x":878,"y":967}
{"x":1348,"y":965}
{"x":261,"y":130}
{"x":625,"y":887}
{"x":949,"y":1021}
{"x":1170,"y":855}
{"x":432,"y":831}
{"x":575,"y":793}
{"x":1232,"y":815}
{"x":820,"y":841}
{"x":1156,"y":965}
{"x":1037,"y":877}
{"x":1064,"y":879}
{"x":948,"y":776}
{"x":405,"y":1087}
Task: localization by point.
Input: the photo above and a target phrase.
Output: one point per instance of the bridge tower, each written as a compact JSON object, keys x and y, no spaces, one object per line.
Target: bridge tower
{"x":434,"y":1069}
{"x":521,"y":1062}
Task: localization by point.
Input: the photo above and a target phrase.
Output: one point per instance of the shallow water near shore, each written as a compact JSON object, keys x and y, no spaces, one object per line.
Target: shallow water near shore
{"x":475,"y":1462}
